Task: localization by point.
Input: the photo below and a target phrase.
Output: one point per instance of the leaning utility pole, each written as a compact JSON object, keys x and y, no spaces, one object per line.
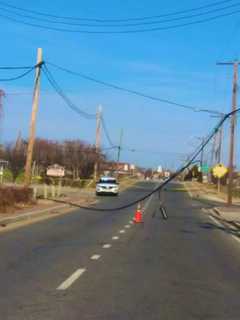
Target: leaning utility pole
{"x":98,"y":141}
{"x":232,"y":129}
{"x":31,"y":140}
{"x":119,"y":148}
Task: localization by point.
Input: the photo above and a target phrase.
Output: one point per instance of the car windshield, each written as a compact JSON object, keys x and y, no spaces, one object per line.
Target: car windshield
{"x":110,"y":180}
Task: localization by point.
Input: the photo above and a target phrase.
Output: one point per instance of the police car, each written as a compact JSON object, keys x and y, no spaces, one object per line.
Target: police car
{"x":107,"y":185}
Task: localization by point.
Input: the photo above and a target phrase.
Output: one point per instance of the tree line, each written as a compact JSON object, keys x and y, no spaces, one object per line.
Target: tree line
{"x":76,"y":156}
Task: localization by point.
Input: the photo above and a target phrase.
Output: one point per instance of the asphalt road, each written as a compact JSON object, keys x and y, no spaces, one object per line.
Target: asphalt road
{"x":87,"y":265}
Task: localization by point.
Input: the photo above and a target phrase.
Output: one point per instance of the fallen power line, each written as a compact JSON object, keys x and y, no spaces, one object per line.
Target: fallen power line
{"x":159,"y":188}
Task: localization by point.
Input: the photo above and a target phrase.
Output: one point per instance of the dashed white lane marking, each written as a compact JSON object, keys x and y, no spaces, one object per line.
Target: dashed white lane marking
{"x":107,"y":245}
{"x":95,"y":257}
{"x":127,"y":226}
{"x":67,"y":283}
{"x":122,"y":231}
{"x":115,"y":238}
{"x":131,"y":221}
{"x":215,"y":220}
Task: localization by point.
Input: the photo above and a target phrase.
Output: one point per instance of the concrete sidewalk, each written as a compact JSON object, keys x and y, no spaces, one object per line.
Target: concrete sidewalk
{"x":216,"y":201}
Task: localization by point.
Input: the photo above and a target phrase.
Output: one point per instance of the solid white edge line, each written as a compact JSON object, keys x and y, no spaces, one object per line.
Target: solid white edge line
{"x":69,"y":281}
{"x":95,"y":257}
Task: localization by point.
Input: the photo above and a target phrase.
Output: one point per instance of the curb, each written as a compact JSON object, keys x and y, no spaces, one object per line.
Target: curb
{"x":32,"y":214}
{"x":4,"y":222}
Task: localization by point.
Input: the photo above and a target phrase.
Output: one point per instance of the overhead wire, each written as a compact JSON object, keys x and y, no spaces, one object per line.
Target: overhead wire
{"x":66,"y":99}
{"x":179,"y":12}
{"x":121,"y":24}
{"x":109,"y":139}
{"x":130,"y":91}
{"x":15,"y":68}
{"x":125,"y":31}
{"x":130,"y":149}
{"x":22,"y":75}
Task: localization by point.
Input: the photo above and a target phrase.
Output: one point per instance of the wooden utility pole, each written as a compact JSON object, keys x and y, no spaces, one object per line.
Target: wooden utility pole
{"x":119,"y":148}
{"x":31,"y":140}
{"x":232,"y":129}
{"x":98,"y":141}
{"x":202,"y":152}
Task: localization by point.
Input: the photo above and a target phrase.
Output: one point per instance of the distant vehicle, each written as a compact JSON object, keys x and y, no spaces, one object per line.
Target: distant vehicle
{"x":107,"y":185}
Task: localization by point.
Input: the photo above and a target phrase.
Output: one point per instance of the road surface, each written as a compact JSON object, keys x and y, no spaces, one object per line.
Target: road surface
{"x":86,"y":265}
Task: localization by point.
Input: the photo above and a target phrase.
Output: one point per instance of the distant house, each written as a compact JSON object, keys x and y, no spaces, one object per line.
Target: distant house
{"x":121,"y":167}
{"x":3,"y":163}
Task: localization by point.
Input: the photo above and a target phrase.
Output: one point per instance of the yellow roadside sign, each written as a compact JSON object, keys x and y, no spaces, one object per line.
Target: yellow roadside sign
{"x":219,"y":170}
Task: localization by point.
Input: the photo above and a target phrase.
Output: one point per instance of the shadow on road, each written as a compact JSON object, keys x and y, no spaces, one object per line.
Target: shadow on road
{"x":211,"y":226}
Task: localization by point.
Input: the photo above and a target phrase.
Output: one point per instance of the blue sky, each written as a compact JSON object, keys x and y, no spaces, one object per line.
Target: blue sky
{"x":179,"y":65}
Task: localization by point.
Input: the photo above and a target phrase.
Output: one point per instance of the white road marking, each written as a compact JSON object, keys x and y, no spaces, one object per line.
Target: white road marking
{"x":95,"y":257}
{"x":67,"y":283}
{"x":127,"y":226}
{"x":131,"y":221}
{"x":107,"y":245}
{"x":115,"y":238}
{"x":122,"y":231}
{"x":147,"y":204}
{"x":217,"y":222}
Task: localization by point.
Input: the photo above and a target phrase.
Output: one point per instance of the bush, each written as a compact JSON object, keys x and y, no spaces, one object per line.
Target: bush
{"x":7,"y":175}
{"x":11,"y":197}
{"x":37,"y":179}
{"x":20,"y":178}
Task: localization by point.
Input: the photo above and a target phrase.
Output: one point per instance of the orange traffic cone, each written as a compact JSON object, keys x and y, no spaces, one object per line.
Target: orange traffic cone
{"x":138,"y":215}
